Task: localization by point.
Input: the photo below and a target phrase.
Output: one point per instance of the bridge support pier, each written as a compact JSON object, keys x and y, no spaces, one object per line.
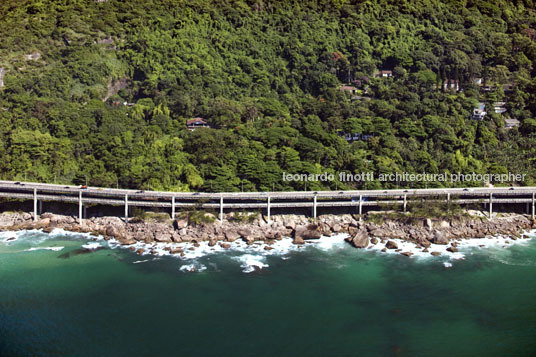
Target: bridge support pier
{"x":405,"y":203}
{"x":268,"y":210}
{"x":35,"y":204}
{"x":491,"y":206}
{"x":221,"y":210}
{"x":360,"y":208}
{"x":80,"y":212}
{"x":126,"y":208}
{"x":314,"y":207}
{"x":173,"y":207}
{"x":533,"y":206}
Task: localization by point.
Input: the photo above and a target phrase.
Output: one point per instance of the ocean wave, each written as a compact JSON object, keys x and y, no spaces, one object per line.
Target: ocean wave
{"x":190,"y":251}
{"x":194,"y":267}
{"x":140,"y":261}
{"x":59,"y":232}
{"x":465,"y":247}
{"x":253,"y":256}
{"x":55,"y":249}
{"x":7,"y":237}
{"x":92,"y":246}
{"x":250,"y":262}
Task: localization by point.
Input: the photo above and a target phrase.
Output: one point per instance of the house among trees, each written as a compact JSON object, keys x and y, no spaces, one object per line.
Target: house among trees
{"x":361,"y":82}
{"x":511,"y":123}
{"x":383,"y":74}
{"x":349,"y":89}
{"x":499,"y":107}
{"x":360,"y":97}
{"x":452,"y":84}
{"x":355,"y":136}
{"x":196,"y":123}
{"x":508,"y":86}
{"x":479,"y":112}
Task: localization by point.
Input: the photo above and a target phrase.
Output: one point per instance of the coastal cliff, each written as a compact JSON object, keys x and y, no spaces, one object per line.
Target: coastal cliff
{"x":377,"y":229}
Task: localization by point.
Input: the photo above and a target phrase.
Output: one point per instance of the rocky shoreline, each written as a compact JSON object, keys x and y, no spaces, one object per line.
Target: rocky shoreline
{"x":423,"y":232}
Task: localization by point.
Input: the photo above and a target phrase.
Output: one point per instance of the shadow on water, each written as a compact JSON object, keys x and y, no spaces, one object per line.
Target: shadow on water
{"x":79,"y":251}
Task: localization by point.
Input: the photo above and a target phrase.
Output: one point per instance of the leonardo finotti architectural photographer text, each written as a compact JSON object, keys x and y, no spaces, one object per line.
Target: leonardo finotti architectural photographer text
{"x":405,"y":177}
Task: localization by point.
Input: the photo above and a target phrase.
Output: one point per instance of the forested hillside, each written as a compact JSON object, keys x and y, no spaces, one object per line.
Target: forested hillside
{"x":100,"y":91}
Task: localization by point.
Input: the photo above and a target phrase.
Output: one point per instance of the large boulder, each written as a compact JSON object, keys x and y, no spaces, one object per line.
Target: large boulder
{"x":336,"y":228}
{"x":44,"y":222}
{"x":289,"y":223}
{"x":391,"y":245}
{"x":310,"y":231}
{"x":189,"y":237}
{"x":176,"y":237}
{"x":114,"y":231}
{"x":120,"y":234}
{"x":360,"y":239}
{"x":424,"y":243}
{"x":428,"y":224}
{"x":231,"y":235}
{"x":298,"y":240}
{"x":440,"y":237}
{"x":181,"y":223}
{"x":244,"y":233}
{"x":162,"y":237}
{"x":9,"y":219}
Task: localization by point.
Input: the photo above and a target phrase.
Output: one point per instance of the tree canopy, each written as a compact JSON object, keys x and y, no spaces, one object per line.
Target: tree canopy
{"x":100,"y":91}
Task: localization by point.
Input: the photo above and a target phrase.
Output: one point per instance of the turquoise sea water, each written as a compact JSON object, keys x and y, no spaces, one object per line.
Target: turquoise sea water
{"x":328,"y":300}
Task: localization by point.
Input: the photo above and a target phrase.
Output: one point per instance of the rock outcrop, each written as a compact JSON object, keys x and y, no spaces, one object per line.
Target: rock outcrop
{"x":362,"y":234}
{"x":391,"y":245}
{"x":360,"y":239}
{"x":310,"y":231}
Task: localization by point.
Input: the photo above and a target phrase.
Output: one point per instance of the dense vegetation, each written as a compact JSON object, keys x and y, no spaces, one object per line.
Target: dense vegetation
{"x":267,"y":76}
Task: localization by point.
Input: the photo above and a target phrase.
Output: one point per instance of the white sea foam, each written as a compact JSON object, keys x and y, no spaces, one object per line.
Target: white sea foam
{"x":253,"y":256}
{"x":59,"y":232}
{"x":55,"y":249}
{"x":92,"y":246}
{"x":190,"y":252}
{"x":251,"y":262}
{"x":140,"y":261}
{"x":34,"y":236}
{"x":7,"y":237}
{"x":447,"y":264}
{"x":465,"y":247}
{"x":194,"y":267}
{"x":330,"y":243}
